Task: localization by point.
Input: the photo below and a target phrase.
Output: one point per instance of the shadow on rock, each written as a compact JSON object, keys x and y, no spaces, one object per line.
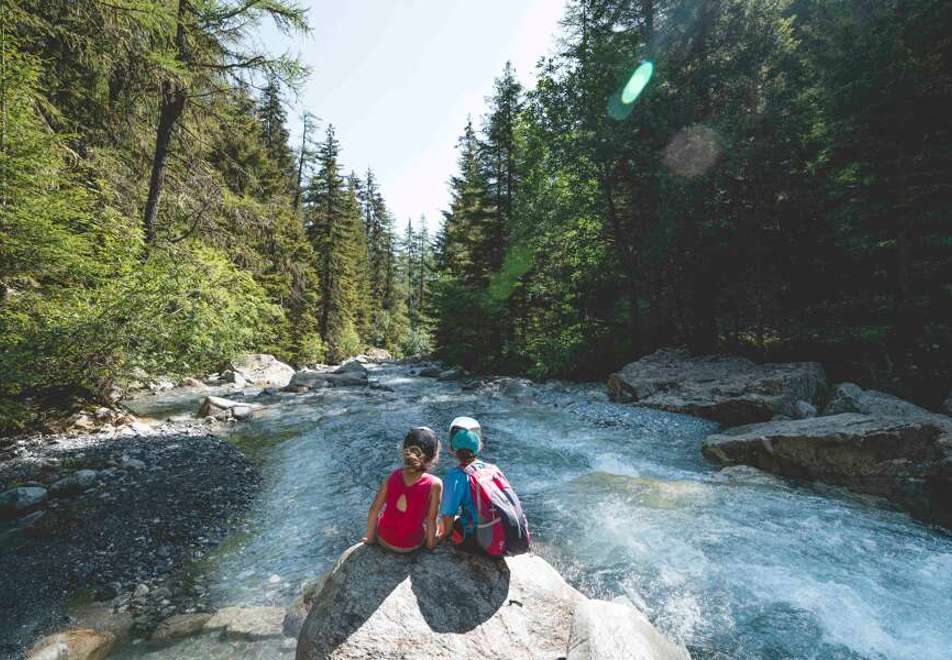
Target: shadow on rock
{"x":439,"y":597}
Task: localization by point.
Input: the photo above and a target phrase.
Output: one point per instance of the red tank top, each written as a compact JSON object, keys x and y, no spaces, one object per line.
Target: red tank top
{"x":404,"y":529}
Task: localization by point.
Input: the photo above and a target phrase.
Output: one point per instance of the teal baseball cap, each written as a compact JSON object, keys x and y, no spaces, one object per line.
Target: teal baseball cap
{"x":465,"y":439}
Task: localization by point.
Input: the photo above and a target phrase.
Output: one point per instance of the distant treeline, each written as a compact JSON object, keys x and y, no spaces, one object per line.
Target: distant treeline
{"x":781,"y":188}
{"x":155,"y":218}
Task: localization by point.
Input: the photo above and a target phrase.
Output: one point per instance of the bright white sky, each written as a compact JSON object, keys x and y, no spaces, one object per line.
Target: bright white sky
{"x":397,"y":78}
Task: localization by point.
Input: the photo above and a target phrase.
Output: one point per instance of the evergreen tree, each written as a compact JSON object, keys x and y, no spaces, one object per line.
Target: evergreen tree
{"x":273,"y":119}
{"x":500,"y":161}
{"x":336,"y":232}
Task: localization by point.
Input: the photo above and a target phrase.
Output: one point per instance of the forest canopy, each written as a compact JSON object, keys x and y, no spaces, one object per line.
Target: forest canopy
{"x":778,"y":188}
{"x":155,"y":218}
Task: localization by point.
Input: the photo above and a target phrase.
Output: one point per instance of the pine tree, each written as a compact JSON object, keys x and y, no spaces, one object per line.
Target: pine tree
{"x":273,"y":119}
{"x":500,"y":161}
{"x":334,"y":226}
{"x":466,"y":247}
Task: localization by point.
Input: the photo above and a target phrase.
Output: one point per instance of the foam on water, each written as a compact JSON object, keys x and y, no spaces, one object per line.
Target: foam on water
{"x":734,"y":564}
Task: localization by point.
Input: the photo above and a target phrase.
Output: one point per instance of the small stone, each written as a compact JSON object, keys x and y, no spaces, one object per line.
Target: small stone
{"x":20,"y":501}
{"x":141,"y":591}
{"x":133,"y":464}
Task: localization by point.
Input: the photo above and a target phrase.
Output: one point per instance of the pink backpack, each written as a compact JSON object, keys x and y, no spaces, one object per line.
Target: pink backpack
{"x":501,"y":526}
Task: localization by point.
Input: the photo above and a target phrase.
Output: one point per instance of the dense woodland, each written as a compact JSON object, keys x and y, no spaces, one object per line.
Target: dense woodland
{"x":781,"y":188}
{"x":155,"y":217}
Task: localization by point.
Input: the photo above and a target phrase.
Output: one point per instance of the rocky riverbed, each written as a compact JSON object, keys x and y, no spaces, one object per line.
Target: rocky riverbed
{"x":110,"y":519}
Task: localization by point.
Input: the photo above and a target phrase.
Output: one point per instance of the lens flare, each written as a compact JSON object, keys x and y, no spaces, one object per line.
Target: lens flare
{"x":639,"y":80}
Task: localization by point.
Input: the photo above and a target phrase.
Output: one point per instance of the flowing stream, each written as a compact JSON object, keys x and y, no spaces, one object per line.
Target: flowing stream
{"x":733,"y":563}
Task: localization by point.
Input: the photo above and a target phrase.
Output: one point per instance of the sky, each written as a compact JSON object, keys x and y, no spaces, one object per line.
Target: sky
{"x":397,"y":79}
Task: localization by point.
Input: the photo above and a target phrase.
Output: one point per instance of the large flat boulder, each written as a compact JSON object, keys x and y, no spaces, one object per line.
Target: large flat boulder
{"x":378,"y":604}
{"x":263,"y":370}
{"x":727,"y":389}
{"x":906,"y":459}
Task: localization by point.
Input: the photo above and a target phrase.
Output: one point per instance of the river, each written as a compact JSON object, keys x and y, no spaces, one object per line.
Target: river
{"x":733,"y":563}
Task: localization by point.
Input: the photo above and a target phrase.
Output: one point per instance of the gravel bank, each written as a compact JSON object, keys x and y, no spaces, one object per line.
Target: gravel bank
{"x":129,"y":515}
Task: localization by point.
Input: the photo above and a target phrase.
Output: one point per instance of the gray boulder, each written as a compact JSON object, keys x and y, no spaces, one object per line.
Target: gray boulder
{"x":803,"y":410}
{"x":74,"y":484}
{"x":430,"y":372}
{"x":848,"y":398}
{"x":352,"y":367}
{"x":727,"y":389}
{"x":219,"y":408}
{"x":378,"y":355}
{"x":20,"y":501}
{"x":312,"y":380}
{"x":378,"y":604}
{"x":262,"y":369}
{"x":905,"y":459}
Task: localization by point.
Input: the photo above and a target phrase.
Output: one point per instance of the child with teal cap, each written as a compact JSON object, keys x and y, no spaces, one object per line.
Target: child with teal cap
{"x":493,"y":524}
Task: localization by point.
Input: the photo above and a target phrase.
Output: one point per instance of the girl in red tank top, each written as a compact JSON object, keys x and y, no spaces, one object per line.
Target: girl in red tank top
{"x":403,"y":514}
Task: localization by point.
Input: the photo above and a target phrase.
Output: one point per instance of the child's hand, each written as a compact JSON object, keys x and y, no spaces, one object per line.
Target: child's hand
{"x":368,"y":540}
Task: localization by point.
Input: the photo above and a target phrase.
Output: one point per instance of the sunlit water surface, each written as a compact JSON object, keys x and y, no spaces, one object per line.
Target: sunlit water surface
{"x":734,"y":563}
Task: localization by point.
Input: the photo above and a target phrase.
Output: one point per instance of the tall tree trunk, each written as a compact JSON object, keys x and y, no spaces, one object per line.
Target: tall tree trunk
{"x":173,"y":102}
{"x":300,"y":172}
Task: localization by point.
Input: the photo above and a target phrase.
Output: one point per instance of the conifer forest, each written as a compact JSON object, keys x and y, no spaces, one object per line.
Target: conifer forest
{"x":780,"y":189}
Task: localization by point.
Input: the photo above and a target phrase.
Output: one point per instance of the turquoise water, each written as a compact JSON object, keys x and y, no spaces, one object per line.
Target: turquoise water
{"x":734,"y":564}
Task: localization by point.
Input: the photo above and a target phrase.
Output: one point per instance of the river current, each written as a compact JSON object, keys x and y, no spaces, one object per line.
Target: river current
{"x":733,"y":563}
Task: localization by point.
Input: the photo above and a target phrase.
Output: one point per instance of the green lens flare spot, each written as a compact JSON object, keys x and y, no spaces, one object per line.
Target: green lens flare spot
{"x":639,"y":80}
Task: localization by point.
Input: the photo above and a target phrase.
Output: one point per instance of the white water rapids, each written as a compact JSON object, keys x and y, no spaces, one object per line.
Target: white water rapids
{"x":734,"y":563}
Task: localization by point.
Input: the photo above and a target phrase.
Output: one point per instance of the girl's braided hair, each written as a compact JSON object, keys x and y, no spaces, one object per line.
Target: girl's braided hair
{"x":421,"y":449}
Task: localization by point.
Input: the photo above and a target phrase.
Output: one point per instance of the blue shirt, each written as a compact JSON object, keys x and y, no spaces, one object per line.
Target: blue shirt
{"x":457,"y":496}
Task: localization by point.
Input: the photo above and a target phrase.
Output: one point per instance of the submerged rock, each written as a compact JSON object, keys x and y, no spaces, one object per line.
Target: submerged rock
{"x":249,"y":623}
{"x":180,"y":626}
{"x":727,"y":389}
{"x":850,"y":398}
{"x":378,"y":604}
{"x":262,"y":369}
{"x":906,"y":459}
{"x":81,"y":644}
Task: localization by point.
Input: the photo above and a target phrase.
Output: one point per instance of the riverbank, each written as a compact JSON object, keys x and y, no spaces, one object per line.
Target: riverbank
{"x":117,"y":516}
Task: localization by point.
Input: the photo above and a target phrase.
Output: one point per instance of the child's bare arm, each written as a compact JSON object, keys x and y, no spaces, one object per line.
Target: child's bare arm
{"x":446,"y":526}
{"x":436,"y":494}
{"x":374,"y":513}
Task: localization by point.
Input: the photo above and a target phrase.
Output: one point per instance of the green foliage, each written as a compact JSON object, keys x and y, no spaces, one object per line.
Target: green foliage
{"x":232,"y":265}
{"x":784,"y":174}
